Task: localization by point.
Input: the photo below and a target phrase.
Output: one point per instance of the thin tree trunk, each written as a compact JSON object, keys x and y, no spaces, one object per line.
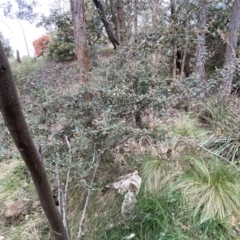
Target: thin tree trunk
{"x":14,"y":119}
{"x":122,"y":21}
{"x":230,"y":54}
{"x":201,"y":48}
{"x":182,"y":73}
{"x":135,"y":17}
{"x":107,"y":25}
{"x":128,"y":19}
{"x":154,"y":12}
{"x":183,"y":60}
{"x":79,"y":25}
{"x":174,"y":41}
{"x":138,"y":119}
{"x":174,"y":72}
{"x":115,"y":20}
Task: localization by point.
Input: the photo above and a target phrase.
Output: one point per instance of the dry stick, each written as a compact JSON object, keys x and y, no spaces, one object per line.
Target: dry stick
{"x":217,"y":155}
{"x":59,"y":187}
{"x":65,"y":191}
{"x":184,"y":54}
{"x":80,"y":232}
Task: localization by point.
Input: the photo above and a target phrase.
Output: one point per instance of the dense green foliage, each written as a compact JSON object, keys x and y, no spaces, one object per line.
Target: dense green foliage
{"x":6,"y":46}
{"x":133,"y":113}
{"x":61,"y":45}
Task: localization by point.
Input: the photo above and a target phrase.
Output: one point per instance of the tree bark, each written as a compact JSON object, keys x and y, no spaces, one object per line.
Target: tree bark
{"x":80,"y":33}
{"x":183,"y":61}
{"x":174,"y":39}
{"x":107,"y":25}
{"x":14,"y":119}
{"x":122,"y":21}
{"x":155,"y":12}
{"x":201,"y":48}
{"x":115,"y":20}
{"x":230,"y":54}
{"x":185,"y":48}
{"x":135,"y":17}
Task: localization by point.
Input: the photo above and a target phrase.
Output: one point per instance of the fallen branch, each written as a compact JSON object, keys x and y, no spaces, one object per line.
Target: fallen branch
{"x":65,"y":191}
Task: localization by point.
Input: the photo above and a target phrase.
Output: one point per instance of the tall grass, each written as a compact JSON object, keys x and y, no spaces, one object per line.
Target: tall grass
{"x":211,"y":188}
{"x":166,"y":217}
{"x":156,"y":174}
{"x":217,"y":113}
{"x":187,"y":127}
{"x":156,"y":218}
{"x":223,"y":118}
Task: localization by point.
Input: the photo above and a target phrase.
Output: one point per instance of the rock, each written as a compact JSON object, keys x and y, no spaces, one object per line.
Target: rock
{"x":16,"y":212}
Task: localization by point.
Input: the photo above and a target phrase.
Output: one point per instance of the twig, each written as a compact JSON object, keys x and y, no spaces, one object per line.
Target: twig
{"x":118,"y":143}
{"x":59,"y":186}
{"x":65,"y":191}
{"x":80,"y":232}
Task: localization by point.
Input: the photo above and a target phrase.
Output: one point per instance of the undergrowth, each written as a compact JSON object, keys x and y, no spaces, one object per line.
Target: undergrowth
{"x":22,"y":71}
{"x":134,"y":119}
{"x":163,"y":216}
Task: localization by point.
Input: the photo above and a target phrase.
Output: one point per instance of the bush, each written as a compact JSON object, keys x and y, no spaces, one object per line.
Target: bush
{"x":61,"y":46}
{"x":6,"y":46}
{"x":40,"y":45}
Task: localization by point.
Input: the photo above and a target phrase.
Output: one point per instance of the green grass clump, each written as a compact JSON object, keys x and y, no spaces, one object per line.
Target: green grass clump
{"x":227,"y":147}
{"x":156,"y":174}
{"x":223,"y":119}
{"x":187,"y":127}
{"x":155,"y":218}
{"x":219,"y":115}
{"x":167,"y":217}
{"x":211,"y":189}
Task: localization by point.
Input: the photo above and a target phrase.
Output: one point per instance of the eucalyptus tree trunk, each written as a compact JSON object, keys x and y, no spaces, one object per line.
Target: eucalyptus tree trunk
{"x":154,"y":7}
{"x":80,"y":33}
{"x":115,"y":19}
{"x":174,"y":39}
{"x":128,"y":18}
{"x":185,"y":47}
{"x":11,"y":110}
{"x":183,"y":61}
{"x":122,"y":20}
{"x":201,"y":48}
{"x":230,"y":54}
{"x":107,"y":25}
{"x":135,"y":17}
